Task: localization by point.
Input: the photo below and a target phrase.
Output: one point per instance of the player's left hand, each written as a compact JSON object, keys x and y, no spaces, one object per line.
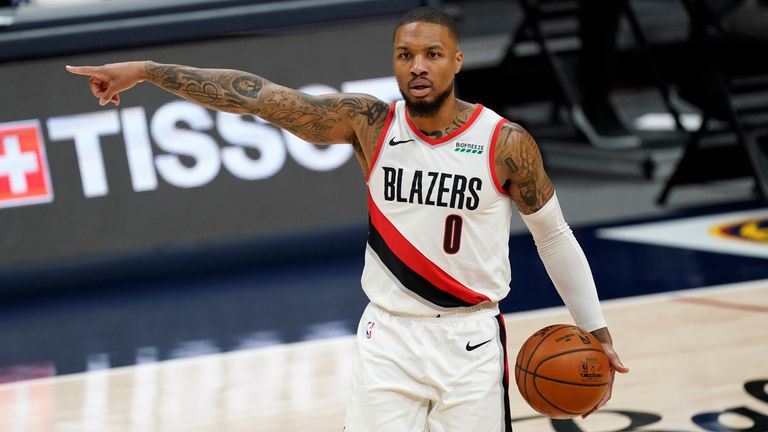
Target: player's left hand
{"x":616,"y":366}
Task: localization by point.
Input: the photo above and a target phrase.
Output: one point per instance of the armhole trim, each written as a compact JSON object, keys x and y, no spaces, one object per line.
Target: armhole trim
{"x":384,"y":132}
{"x":492,"y":156}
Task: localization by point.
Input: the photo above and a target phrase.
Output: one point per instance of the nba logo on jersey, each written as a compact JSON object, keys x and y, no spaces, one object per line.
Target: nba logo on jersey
{"x":24,"y":174}
{"x":369,"y":329}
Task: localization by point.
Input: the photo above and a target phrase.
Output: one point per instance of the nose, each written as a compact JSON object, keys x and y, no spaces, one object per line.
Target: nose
{"x":418,"y":66}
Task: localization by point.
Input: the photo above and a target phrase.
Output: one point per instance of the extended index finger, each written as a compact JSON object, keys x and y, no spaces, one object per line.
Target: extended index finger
{"x":86,"y":70}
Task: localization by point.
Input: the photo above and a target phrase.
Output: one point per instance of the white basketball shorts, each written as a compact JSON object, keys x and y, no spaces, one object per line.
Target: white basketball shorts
{"x":436,"y":374}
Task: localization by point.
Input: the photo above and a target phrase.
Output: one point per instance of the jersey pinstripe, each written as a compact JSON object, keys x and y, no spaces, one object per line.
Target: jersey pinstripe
{"x":438,"y":219}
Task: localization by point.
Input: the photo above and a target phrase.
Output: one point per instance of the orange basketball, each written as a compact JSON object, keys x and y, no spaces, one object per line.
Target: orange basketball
{"x":562,"y":371}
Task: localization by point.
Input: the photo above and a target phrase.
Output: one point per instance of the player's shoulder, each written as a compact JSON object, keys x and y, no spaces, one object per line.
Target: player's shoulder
{"x":511,"y":136}
{"x":370,"y":109}
{"x":368,"y":117}
{"x":513,"y":128}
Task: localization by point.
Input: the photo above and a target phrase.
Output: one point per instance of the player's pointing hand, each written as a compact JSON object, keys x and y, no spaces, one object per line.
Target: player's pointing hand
{"x":107,"y":81}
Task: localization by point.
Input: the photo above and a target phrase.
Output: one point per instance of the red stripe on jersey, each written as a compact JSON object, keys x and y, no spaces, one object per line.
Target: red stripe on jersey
{"x":492,"y":157}
{"x":384,"y":131}
{"x":416,"y":261}
{"x":448,"y":137}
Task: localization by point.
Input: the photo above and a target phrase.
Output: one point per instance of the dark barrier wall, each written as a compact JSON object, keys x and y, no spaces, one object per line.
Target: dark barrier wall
{"x":81,"y":181}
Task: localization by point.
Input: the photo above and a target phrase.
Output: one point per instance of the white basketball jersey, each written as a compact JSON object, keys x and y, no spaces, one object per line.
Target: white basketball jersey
{"x":438,"y":219}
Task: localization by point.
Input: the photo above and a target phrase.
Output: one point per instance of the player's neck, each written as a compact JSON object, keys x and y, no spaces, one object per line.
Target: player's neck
{"x":451,"y":116}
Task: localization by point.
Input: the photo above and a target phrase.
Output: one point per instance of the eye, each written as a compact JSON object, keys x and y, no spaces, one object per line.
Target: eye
{"x":404,"y":55}
{"x":434,"y":54}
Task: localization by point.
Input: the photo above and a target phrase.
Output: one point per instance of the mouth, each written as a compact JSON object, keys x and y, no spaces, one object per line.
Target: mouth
{"x":420,"y":87}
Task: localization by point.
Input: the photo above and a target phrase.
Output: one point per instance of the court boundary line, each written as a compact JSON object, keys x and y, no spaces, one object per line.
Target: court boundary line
{"x":649,"y":298}
{"x":722,"y":304}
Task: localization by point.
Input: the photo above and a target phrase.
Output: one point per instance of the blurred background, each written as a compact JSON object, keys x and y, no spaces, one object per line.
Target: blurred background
{"x":159,"y":230}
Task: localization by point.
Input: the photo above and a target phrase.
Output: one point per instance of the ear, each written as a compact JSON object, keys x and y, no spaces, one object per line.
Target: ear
{"x":459,"y":61}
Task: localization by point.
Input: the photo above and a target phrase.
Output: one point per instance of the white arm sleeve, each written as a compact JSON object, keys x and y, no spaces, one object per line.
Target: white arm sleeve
{"x":566,"y":264}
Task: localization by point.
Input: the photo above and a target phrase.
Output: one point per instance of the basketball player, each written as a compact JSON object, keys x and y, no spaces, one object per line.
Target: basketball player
{"x":443,"y":175}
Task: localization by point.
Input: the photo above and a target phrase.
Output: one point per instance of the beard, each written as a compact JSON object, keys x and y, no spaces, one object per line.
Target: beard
{"x":417,"y":108}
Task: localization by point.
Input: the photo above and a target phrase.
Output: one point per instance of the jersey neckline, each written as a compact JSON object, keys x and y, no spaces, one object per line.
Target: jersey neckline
{"x":450,"y":136}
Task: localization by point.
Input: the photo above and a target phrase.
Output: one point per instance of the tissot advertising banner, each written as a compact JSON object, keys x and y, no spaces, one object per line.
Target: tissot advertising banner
{"x":79,"y":180}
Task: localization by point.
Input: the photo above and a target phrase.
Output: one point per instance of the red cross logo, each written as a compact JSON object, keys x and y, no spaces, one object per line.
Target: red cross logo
{"x":24,"y":175}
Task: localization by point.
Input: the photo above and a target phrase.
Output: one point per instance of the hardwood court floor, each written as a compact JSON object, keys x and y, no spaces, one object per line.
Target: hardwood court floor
{"x":691,"y":352}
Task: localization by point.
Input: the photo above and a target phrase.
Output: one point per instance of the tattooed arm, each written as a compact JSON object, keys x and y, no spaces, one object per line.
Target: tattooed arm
{"x":327,"y":119}
{"x":521,"y":170}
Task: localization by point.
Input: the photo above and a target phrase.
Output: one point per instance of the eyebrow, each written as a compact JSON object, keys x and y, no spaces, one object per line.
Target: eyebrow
{"x":431,"y":47}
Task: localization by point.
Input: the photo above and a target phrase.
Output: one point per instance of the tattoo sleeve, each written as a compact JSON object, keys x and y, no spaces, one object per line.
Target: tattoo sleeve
{"x":521,"y":169}
{"x":223,"y":90}
{"x":321,"y":119}
{"x":327,"y":119}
